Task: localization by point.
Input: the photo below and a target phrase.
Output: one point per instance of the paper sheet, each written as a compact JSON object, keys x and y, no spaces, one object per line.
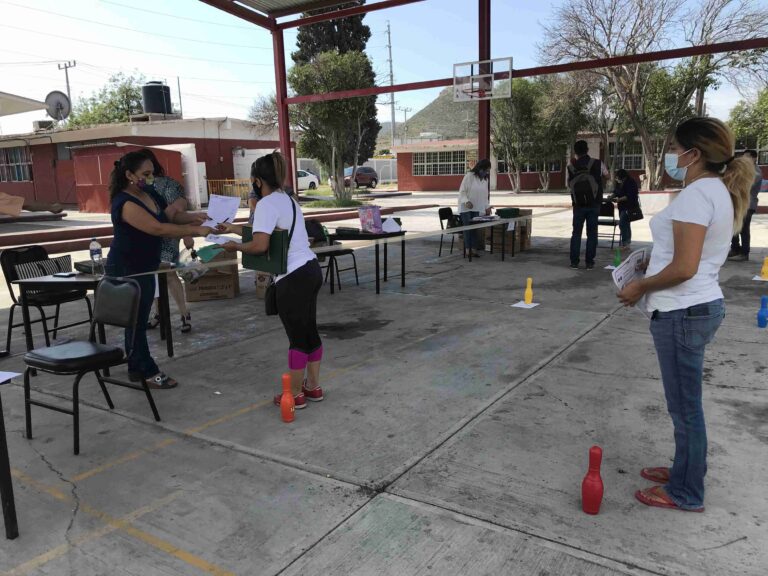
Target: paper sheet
{"x":511,"y":226}
{"x":6,"y":376}
{"x":389,"y":225}
{"x":522,"y":304}
{"x":221,"y":209}
{"x":610,"y":267}
{"x":760,"y":279}
{"x":628,"y":271}
{"x":216,"y":239}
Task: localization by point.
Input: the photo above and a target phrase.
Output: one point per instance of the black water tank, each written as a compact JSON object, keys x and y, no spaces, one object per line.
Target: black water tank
{"x":156,"y":98}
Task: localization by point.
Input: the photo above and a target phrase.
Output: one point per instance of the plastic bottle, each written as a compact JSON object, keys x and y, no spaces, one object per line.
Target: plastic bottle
{"x":528,"y":297}
{"x":287,"y":403}
{"x":592,"y":485}
{"x":96,"y":257}
{"x":617,"y":258}
{"x":762,"y":314}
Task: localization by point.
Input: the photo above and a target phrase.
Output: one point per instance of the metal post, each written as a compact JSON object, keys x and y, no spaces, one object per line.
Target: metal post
{"x":391,"y":83}
{"x":278,"y":47}
{"x":6,"y":485}
{"x":66,"y":66}
{"x":484,"y":114}
{"x":178,"y":86}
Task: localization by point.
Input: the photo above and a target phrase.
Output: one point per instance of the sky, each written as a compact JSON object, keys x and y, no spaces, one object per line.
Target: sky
{"x":223,"y":63}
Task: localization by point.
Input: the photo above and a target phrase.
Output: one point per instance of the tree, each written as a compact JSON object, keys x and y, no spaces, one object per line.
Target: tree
{"x":353,"y":136}
{"x":116,"y":102}
{"x":655,"y":98}
{"x":749,"y":120}
{"x":335,"y":131}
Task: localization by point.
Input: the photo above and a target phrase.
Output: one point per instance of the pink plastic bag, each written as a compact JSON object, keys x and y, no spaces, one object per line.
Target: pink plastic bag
{"x":370,"y":219}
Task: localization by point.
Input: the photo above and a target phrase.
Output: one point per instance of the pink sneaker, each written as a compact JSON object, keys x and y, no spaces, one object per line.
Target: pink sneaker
{"x":313,"y":394}
{"x":299,"y":400}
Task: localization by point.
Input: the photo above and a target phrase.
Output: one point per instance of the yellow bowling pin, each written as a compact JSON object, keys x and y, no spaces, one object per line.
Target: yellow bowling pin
{"x":764,"y":271}
{"x":529,"y":291}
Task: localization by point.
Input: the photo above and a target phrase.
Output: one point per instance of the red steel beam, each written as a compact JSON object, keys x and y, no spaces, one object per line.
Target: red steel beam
{"x":484,"y":108}
{"x":364,"y":9}
{"x":241,"y":12}
{"x":280,"y":12}
{"x":736,"y":46}
{"x":281,"y":84}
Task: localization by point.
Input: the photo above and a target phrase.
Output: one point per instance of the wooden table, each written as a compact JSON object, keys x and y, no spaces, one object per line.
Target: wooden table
{"x":6,"y":483}
{"x":374,"y":236}
{"x":90,"y":282}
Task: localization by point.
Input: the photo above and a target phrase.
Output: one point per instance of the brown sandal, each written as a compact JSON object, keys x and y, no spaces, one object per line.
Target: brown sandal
{"x":659,"y":474}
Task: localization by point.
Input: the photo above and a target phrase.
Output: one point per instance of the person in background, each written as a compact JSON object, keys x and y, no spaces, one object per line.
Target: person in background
{"x":691,"y":237}
{"x":627,"y":197}
{"x":11,"y":205}
{"x":740,"y":250}
{"x":298,"y":288}
{"x":585,"y":182}
{"x":140,"y":218}
{"x":173,"y":194}
{"x":473,"y":201}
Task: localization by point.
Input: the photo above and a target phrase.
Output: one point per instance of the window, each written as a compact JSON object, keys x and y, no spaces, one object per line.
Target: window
{"x":440,"y":163}
{"x":629,"y":155}
{"x":300,"y":174}
{"x":551,"y":166}
{"x":15,"y":164}
{"x":762,"y":157}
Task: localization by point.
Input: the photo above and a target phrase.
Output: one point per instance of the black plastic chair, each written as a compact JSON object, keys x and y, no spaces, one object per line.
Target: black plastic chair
{"x":39,"y":299}
{"x":333,"y":256}
{"x":117,"y":304}
{"x":607,"y":217}
{"x":448,"y":220}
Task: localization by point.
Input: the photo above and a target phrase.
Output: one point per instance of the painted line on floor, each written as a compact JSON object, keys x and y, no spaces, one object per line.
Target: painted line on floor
{"x":125,"y":526}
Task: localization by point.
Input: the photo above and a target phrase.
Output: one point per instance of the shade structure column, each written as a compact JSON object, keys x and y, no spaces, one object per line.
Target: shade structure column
{"x":283,"y":122}
{"x":484,"y":107}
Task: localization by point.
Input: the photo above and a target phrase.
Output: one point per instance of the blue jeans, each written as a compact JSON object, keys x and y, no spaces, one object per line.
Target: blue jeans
{"x":471,"y":240}
{"x":589,"y":215}
{"x":140,"y":360}
{"x":625,"y":226}
{"x":680,"y":337}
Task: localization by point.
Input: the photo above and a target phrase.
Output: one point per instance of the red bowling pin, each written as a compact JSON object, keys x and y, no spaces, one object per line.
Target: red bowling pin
{"x":592,"y":485}
{"x":287,"y":403}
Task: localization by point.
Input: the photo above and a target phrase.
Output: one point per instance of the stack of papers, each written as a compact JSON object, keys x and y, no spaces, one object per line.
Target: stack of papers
{"x":221,"y":210}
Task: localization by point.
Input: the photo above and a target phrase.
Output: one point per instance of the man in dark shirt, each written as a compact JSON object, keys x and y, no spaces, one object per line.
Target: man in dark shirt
{"x":585,"y":212}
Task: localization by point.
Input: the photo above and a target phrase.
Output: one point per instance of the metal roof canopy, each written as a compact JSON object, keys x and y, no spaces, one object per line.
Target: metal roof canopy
{"x":265,"y":13}
{"x":13,"y":104}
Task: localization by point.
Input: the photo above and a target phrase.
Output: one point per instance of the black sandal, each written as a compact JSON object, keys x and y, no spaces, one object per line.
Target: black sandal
{"x":161,"y":381}
{"x":186,"y":323}
{"x":154,"y":322}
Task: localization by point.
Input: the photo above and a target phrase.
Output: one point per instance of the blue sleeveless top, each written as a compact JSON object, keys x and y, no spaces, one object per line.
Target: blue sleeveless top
{"x":133,"y":251}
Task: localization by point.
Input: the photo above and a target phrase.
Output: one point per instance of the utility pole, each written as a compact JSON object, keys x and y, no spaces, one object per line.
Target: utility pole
{"x":391,"y":83}
{"x":181,"y":108}
{"x":405,"y":111}
{"x":66,"y":66}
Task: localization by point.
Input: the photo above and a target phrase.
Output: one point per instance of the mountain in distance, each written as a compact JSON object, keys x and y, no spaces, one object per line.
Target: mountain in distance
{"x":451,"y":120}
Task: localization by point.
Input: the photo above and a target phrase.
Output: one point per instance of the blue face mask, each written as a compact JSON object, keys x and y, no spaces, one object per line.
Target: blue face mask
{"x":670,"y":165}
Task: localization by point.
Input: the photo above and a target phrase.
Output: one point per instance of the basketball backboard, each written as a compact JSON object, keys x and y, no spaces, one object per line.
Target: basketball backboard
{"x":482,"y":80}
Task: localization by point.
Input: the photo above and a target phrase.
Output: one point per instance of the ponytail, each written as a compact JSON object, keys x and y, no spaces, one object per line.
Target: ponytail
{"x":738,"y":177}
{"x":270,"y":169}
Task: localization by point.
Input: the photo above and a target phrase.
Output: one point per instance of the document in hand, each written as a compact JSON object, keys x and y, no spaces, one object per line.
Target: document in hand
{"x":629,"y":271}
{"x":221,"y":209}
{"x":216,"y":239}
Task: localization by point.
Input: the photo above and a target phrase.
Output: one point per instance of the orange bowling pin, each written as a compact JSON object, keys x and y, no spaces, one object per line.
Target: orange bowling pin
{"x":287,"y":404}
{"x":764,"y":271}
{"x":529,"y":291}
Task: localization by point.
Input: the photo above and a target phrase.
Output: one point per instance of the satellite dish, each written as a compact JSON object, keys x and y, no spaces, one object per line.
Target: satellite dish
{"x":58,"y":105}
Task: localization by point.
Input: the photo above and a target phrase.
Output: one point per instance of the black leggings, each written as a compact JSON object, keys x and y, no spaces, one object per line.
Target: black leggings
{"x":297,"y":306}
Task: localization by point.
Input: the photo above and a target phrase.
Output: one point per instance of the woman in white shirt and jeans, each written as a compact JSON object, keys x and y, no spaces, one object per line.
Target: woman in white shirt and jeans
{"x":298,"y":288}
{"x":473,"y":201}
{"x":691,"y":239}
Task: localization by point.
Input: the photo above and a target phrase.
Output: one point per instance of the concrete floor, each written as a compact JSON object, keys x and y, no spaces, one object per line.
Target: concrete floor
{"x":453,"y":438}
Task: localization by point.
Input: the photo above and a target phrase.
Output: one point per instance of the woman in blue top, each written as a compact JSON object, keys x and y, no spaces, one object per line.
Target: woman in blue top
{"x":140,"y":219}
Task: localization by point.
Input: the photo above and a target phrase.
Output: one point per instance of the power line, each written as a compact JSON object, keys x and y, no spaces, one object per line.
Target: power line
{"x":151,"y":52}
{"x":145,"y":11}
{"x":134,"y":29}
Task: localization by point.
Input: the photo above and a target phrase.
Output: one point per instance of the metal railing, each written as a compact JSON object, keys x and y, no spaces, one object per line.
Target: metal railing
{"x":231,"y":187}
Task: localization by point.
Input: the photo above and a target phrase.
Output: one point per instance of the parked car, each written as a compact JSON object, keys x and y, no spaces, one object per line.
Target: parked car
{"x":307,"y":180}
{"x":364,"y":176}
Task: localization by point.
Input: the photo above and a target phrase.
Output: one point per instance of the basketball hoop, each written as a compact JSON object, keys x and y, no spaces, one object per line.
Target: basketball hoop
{"x":482,"y":80}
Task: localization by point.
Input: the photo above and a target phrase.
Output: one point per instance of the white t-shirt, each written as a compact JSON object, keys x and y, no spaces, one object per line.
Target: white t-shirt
{"x":705,"y":202}
{"x":274,"y":211}
{"x":474,"y":190}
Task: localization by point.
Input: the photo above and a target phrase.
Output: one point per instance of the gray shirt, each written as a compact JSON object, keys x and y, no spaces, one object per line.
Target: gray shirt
{"x":755,"y":190}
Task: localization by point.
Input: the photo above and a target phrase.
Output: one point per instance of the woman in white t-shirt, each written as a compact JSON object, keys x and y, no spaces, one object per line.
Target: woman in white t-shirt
{"x":691,"y":239}
{"x":298,"y":288}
{"x":473,"y":201}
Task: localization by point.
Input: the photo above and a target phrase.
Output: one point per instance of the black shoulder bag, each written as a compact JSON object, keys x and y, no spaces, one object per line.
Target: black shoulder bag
{"x":270,"y":296}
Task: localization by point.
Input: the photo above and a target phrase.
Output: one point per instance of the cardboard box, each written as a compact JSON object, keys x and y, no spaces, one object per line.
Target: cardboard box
{"x":217,"y":284}
{"x":263,"y":280}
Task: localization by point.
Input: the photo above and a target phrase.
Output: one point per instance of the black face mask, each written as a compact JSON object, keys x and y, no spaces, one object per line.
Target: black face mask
{"x":256,"y":190}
